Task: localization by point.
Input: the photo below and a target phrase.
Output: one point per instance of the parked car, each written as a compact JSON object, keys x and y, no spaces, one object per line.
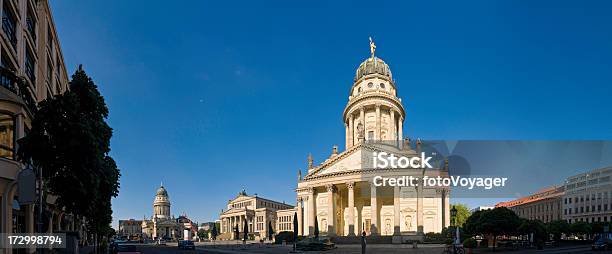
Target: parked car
{"x":602,"y":243}
{"x":186,"y":245}
{"x":127,"y":249}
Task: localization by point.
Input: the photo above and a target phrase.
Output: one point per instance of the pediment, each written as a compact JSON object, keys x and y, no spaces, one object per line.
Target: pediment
{"x":356,"y":158}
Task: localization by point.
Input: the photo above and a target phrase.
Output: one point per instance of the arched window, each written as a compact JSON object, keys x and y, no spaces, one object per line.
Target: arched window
{"x":382,"y":85}
{"x":370,"y":85}
{"x":7,"y":135}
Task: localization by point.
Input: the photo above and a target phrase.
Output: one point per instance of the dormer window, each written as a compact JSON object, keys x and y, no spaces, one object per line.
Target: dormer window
{"x":382,"y":85}
{"x":370,"y":85}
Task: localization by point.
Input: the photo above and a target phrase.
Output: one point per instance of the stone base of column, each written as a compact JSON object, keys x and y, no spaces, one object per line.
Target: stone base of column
{"x":351,"y":230}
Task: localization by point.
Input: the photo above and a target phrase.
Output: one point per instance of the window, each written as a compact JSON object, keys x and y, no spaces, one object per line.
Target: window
{"x":9,"y":24}
{"x":31,"y":25}
{"x":370,"y":85}
{"x":7,"y":135}
{"x":50,"y":40}
{"x":370,"y":135}
{"x":49,"y":71}
{"x":29,"y":66}
{"x":382,"y":85}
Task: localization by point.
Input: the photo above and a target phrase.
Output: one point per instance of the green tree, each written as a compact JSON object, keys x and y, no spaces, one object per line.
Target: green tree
{"x":202,"y":234}
{"x":270,"y":231}
{"x":70,"y":141}
{"x":463,"y":213}
{"x":580,"y":228}
{"x":558,"y":227}
{"x":495,"y":222}
{"x":535,"y":227}
{"x":214,"y":232}
{"x":597,"y":227}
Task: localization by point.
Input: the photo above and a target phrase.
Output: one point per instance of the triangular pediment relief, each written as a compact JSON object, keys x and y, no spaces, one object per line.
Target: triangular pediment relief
{"x":353,"y":159}
{"x":349,"y":162}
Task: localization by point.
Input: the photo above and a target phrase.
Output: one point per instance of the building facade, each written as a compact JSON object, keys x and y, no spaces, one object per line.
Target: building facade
{"x":130,"y":228}
{"x":257,"y":212}
{"x":481,"y":208}
{"x":588,"y":196}
{"x":31,"y":70}
{"x":544,"y":205}
{"x":339,"y":194}
{"x":162,"y":225}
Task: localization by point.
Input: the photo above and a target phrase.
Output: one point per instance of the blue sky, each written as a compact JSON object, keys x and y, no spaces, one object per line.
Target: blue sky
{"x":213,"y":96}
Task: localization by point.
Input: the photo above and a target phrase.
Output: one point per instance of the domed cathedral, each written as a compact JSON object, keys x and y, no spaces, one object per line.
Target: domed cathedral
{"x":161,"y":225}
{"x":338,"y":196}
{"x":161,"y":205}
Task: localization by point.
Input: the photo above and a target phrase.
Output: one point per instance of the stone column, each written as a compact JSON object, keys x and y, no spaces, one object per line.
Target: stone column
{"x":446,"y":209}
{"x":351,"y":208}
{"x":377,"y":132}
{"x":393,"y":130}
{"x":300,"y":215}
{"x":351,"y":134}
{"x":311,"y":211}
{"x":359,"y":218}
{"x":400,"y":128}
{"x":420,"y":208}
{"x":396,"y":210}
{"x":374,"y":228}
{"x":346,"y":135}
{"x":331,"y":206}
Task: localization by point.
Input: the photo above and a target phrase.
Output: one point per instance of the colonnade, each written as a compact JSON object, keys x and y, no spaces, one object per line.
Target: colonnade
{"x":308,"y":210}
{"x":394,"y":131}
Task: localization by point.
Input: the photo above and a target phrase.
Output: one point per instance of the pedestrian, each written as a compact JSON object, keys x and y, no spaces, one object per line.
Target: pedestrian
{"x":363,"y":242}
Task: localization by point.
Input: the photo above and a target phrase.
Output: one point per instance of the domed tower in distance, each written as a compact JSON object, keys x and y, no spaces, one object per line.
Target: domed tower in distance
{"x":161,"y":205}
{"x":373,"y":112}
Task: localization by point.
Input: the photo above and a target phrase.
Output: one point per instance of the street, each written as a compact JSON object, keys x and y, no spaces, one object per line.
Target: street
{"x":348,"y":248}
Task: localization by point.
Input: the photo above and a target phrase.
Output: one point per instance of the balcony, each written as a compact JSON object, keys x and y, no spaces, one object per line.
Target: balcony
{"x":17,"y":85}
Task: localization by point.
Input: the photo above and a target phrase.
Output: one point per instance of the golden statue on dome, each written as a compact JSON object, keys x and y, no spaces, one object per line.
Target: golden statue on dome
{"x":372,"y":47}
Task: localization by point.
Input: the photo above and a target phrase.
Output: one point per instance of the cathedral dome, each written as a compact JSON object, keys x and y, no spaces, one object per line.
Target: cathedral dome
{"x":373,"y":65}
{"x":162,"y":191}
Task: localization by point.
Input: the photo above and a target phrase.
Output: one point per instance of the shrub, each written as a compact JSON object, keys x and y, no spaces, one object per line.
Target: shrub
{"x":435,"y":238}
{"x":286,"y":236}
{"x":469,"y":243}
